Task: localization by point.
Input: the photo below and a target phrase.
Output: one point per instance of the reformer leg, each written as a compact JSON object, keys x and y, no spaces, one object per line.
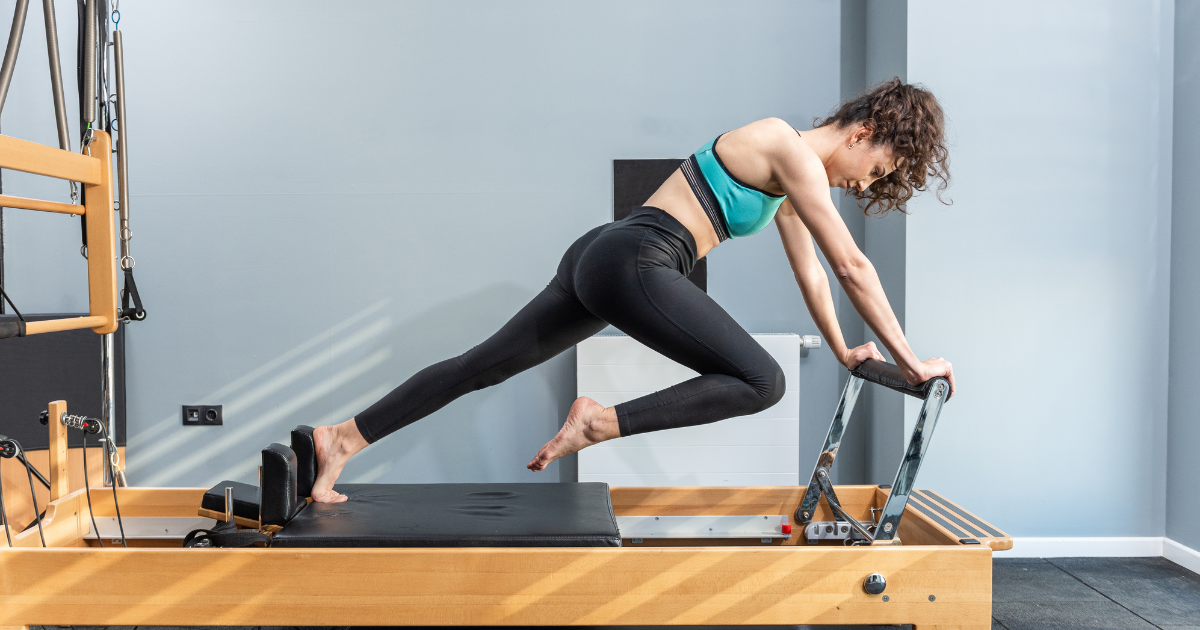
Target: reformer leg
{"x":833,"y":440}
{"x":889,"y":520}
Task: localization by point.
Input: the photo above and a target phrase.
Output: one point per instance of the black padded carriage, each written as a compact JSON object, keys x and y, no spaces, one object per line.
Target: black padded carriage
{"x":418,"y":515}
{"x":458,"y":515}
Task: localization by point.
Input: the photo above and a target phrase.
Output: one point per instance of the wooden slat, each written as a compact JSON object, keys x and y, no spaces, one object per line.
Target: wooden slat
{"x":60,"y":481}
{"x":220,"y":516}
{"x":936,"y":501}
{"x":31,"y":157}
{"x":546,"y":586}
{"x":16,"y":484}
{"x":8,"y":201}
{"x":65,"y":524}
{"x":68,"y":323}
{"x":150,"y":501}
{"x":102,"y":257}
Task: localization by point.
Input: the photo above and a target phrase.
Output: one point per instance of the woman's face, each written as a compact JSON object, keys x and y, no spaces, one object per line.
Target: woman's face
{"x":859,"y":166}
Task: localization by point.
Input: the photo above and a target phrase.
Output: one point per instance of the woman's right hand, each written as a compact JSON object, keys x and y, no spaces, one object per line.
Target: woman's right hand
{"x":855,"y":356}
{"x":932,"y":368}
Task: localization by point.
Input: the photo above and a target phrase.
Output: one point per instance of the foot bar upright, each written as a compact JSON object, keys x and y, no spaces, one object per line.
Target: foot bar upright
{"x":933,"y":392}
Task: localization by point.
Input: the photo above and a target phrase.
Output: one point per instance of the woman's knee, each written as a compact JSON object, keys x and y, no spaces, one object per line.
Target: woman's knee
{"x":769,"y":383}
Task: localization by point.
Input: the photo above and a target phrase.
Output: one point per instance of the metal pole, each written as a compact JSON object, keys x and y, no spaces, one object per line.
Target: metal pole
{"x":60,"y":106}
{"x":14,"y":44}
{"x":88,"y":98}
{"x":109,"y":410}
{"x":122,"y":155}
{"x":103,"y":116}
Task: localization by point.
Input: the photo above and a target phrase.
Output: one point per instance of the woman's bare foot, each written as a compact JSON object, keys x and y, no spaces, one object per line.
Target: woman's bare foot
{"x":588,"y":422}
{"x":336,"y":444}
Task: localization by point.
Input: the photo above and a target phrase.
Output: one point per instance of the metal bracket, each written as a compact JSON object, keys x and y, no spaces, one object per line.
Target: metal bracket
{"x":893,"y":510}
{"x":833,"y":440}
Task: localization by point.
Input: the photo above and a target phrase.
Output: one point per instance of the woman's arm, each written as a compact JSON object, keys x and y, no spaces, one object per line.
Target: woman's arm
{"x":802,"y":176}
{"x":814,"y":286}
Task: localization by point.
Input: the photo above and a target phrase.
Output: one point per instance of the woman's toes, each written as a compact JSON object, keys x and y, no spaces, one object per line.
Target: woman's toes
{"x":328,"y":497}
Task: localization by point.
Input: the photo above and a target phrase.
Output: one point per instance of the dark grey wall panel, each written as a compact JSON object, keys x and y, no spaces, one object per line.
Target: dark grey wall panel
{"x":55,"y":366}
{"x":1183,"y":430}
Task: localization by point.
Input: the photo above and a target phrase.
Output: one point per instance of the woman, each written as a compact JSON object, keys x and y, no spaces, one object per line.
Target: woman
{"x":632,"y":274}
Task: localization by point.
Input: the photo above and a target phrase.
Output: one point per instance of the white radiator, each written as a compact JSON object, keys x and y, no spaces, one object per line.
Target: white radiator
{"x":758,"y":450}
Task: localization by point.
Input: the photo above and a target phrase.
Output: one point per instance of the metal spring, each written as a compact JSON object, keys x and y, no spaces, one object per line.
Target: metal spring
{"x":74,"y":421}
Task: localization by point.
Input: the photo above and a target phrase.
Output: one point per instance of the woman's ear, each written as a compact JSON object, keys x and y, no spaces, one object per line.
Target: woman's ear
{"x":862,"y":134}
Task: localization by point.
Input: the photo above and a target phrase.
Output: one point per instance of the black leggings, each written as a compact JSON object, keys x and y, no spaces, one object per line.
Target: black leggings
{"x":632,"y":274}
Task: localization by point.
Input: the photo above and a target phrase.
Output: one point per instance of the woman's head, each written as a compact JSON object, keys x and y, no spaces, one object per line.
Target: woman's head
{"x":895,"y":144}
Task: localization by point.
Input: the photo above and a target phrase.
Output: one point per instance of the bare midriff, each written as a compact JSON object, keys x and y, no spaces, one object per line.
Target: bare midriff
{"x":676,"y":198}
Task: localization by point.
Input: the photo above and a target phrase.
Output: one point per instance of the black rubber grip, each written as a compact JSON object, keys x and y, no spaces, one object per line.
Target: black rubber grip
{"x":12,"y":329}
{"x":889,"y":376}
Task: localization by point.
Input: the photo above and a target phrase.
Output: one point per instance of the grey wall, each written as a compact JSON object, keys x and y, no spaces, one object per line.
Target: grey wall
{"x":328,"y":198}
{"x":874,"y":50}
{"x":1183,"y":441}
{"x":851,"y":465}
{"x":1046,"y":283}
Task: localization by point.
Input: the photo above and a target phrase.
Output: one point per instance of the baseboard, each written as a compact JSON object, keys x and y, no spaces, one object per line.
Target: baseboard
{"x":1117,"y":547}
{"x":1185,"y":557}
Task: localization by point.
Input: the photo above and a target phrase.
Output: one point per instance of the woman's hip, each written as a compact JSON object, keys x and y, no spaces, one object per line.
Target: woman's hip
{"x":646,"y":238}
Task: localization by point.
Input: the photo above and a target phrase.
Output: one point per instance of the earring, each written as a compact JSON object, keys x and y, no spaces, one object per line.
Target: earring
{"x":850,"y":146}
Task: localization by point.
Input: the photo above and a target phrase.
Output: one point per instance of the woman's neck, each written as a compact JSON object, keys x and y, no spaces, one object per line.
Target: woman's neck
{"x":824,"y":141}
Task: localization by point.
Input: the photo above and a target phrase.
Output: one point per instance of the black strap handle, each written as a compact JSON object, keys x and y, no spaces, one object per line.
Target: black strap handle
{"x":12,"y":329}
{"x":226,"y":535}
{"x":889,"y":376}
{"x":137,"y":313}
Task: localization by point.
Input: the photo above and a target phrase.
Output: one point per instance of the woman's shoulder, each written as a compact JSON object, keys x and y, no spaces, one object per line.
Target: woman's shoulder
{"x":783,"y":143}
{"x":784,"y":150}
{"x":767,"y":129}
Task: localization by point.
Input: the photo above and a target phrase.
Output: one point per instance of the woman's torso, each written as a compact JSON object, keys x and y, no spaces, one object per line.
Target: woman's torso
{"x":740,"y":154}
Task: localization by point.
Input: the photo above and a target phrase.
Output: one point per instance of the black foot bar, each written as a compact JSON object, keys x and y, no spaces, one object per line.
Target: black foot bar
{"x":934,"y":392}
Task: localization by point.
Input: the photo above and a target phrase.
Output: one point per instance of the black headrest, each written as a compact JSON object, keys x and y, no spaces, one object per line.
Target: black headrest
{"x":245,"y":499}
{"x":306,"y":459}
{"x":279,"y":501}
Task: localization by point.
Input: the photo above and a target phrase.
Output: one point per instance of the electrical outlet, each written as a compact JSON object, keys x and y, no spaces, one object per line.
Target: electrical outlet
{"x":201,"y":415}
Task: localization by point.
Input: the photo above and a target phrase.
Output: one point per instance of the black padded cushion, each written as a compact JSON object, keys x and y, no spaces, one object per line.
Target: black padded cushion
{"x":279,"y":500}
{"x":458,"y":515}
{"x":245,"y":499}
{"x":306,"y":460}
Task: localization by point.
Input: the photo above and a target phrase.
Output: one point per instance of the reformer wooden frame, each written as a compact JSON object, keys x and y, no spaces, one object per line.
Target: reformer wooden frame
{"x":94,"y":172}
{"x":933,"y":579}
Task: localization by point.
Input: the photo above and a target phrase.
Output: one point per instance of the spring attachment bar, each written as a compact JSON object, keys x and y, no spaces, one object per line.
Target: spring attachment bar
{"x":83,"y":423}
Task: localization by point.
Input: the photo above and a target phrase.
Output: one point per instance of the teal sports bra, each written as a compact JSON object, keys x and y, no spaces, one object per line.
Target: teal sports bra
{"x":744,"y":209}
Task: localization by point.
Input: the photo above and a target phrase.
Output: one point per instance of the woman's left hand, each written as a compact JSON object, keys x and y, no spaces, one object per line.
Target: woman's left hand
{"x":855,"y":356}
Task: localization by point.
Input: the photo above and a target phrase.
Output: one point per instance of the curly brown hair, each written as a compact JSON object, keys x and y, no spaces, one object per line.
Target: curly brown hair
{"x":909,"y":120}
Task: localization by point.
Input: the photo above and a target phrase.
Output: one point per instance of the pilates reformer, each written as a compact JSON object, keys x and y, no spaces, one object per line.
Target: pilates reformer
{"x":514,"y":554}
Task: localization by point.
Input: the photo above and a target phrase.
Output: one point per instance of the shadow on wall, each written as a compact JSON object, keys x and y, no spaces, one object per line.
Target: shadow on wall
{"x":342,"y":370}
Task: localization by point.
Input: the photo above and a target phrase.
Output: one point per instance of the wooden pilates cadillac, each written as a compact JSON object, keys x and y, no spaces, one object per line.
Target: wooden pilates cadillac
{"x":95,"y":173}
{"x":940,"y":576}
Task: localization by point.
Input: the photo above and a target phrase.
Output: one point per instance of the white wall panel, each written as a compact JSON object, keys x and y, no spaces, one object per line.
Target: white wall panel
{"x":760,"y":449}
